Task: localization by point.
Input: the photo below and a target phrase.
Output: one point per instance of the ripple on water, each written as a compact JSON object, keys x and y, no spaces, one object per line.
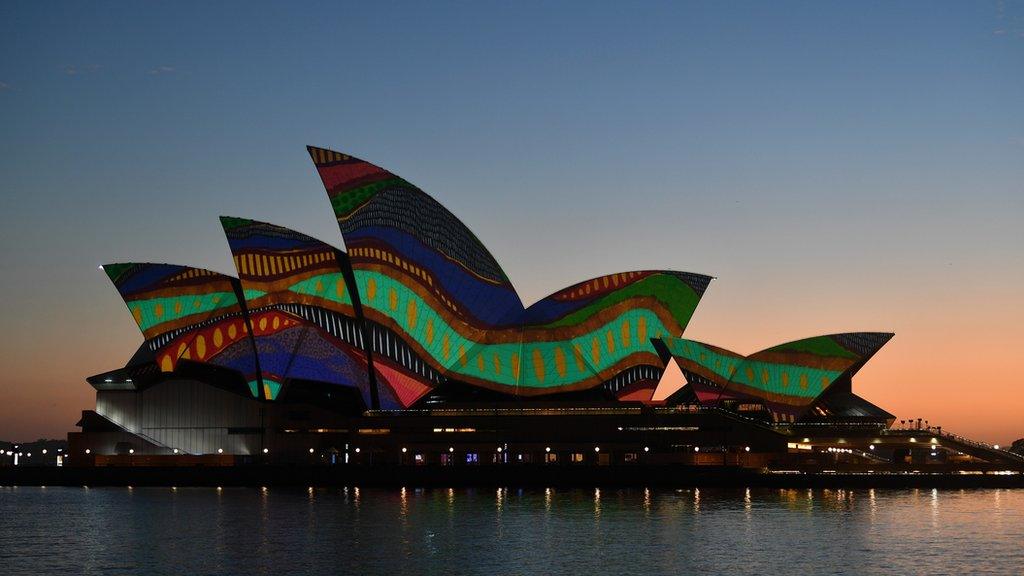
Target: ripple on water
{"x":509,"y":531}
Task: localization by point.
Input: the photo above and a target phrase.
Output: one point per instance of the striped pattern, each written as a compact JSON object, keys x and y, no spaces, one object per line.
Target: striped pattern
{"x":787,"y":378}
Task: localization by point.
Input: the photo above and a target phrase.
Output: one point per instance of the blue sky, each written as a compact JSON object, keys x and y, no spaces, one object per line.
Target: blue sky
{"x":837,"y":166}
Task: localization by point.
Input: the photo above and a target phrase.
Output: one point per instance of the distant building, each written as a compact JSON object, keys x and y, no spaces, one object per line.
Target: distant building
{"x":413,"y":347}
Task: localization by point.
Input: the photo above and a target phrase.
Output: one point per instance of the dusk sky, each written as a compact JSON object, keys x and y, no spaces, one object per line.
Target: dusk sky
{"x":837,"y":167}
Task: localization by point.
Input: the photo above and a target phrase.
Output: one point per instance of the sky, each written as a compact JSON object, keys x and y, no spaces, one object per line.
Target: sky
{"x":836,"y":166}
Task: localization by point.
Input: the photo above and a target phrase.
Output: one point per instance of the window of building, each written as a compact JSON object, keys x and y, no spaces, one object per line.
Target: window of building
{"x":419,"y":459}
{"x":471,"y":458}
{"x":576,"y":457}
{"x":630,"y":457}
{"x":551,"y":458}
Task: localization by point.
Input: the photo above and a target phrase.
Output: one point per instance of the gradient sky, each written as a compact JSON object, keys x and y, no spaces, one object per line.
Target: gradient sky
{"x":838,"y":167}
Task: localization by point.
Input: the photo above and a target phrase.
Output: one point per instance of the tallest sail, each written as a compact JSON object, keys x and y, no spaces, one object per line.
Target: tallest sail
{"x":430,"y":290}
{"x":389,"y":223}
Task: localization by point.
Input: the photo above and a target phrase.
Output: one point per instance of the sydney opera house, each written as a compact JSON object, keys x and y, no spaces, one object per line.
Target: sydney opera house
{"x":411,"y":347}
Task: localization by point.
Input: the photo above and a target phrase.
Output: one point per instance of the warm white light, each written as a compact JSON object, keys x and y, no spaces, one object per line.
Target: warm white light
{"x":913,"y":439}
{"x":404,"y":450}
{"x":175,"y":450}
{"x":451,"y":449}
{"x":807,"y":440}
{"x":131,"y":450}
{"x":746,"y":448}
{"x":310,"y":450}
{"x":499,"y":449}
{"x":547,"y":449}
{"x":357,"y":450}
{"x":647,"y":448}
{"x":220,"y":450}
{"x":696,"y":448}
{"x":44,"y":450}
{"x":996,"y":446}
{"x":87,"y":451}
{"x":265,"y":450}
{"x":871,"y":447}
{"x":597,"y":448}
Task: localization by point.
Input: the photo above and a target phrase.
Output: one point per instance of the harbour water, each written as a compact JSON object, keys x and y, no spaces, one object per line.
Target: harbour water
{"x":53,"y":530}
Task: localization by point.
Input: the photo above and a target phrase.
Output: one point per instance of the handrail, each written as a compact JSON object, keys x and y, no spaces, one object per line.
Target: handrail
{"x":956,"y":438}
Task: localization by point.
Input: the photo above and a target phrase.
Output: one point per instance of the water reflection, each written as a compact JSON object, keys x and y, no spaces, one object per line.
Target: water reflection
{"x":602,"y":530}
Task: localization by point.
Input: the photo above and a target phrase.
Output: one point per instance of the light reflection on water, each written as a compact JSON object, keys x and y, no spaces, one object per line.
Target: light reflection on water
{"x":509,"y":531}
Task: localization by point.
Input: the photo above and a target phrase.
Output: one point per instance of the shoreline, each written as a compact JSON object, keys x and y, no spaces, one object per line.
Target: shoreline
{"x":490,"y":476}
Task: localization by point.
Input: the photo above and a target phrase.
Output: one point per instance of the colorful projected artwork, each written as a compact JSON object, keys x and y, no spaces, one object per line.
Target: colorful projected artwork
{"x":787,"y":378}
{"x":598,"y":332}
{"x":186,"y":313}
{"x":429,"y":288}
{"x":417,"y":304}
{"x":301,"y":308}
{"x":436,"y":290}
